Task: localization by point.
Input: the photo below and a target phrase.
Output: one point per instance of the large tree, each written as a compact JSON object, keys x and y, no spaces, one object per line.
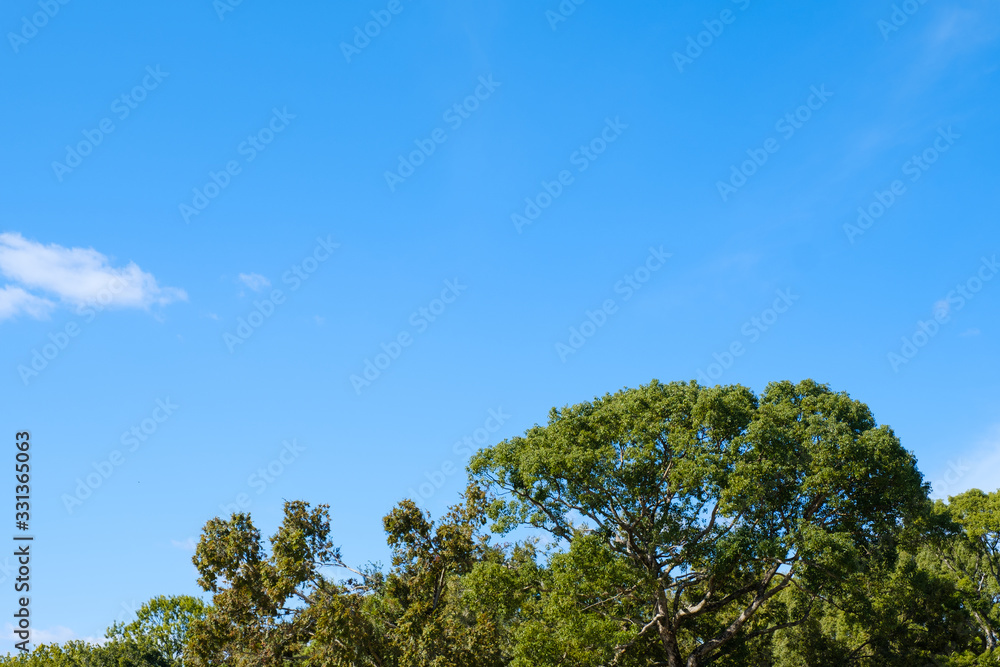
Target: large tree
{"x":685,"y":513}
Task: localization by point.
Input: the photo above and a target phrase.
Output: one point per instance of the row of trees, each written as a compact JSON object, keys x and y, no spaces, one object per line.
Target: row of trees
{"x":672,"y":524}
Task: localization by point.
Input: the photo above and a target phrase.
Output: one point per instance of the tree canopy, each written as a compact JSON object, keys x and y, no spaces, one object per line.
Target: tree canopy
{"x":710,"y":503}
{"x":670,"y":524}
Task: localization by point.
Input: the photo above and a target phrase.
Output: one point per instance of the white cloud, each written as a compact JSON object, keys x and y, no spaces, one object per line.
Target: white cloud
{"x":56,"y":635}
{"x":14,"y":301}
{"x":254,"y":281}
{"x":77,"y":276}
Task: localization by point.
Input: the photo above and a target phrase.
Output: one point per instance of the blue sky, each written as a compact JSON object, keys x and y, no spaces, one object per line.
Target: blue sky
{"x":575,"y":202}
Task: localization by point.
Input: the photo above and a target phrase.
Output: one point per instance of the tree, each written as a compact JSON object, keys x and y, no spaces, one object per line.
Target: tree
{"x":900,"y":615}
{"x":965,"y":545}
{"x":276,"y":609}
{"x":706,"y":505}
{"x":417,"y":615}
{"x":672,"y":524}
{"x":261,"y":604}
{"x":162,"y":622}
{"x":118,"y":653}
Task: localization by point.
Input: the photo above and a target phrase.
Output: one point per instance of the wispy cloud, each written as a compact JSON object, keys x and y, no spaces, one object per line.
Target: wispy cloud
{"x":963,"y":28}
{"x":951,"y":33}
{"x":15,"y":301}
{"x":185,"y":545}
{"x":254,"y":281}
{"x":74,"y":276}
{"x":55,"y":635}
{"x":58,"y":634}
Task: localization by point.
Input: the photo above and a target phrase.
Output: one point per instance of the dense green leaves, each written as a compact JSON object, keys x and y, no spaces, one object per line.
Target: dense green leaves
{"x":156,"y":638}
{"x":964,"y":546}
{"x":162,"y":623}
{"x":672,"y":524}
{"x":263,"y":605}
{"x":714,"y":500}
{"x":81,"y":654}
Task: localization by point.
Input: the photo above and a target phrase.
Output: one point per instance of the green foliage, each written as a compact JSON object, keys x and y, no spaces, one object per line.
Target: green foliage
{"x":262,"y":611}
{"x":422,"y":598}
{"x":80,"y":654}
{"x":155,"y":639}
{"x":964,"y":545}
{"x":672,"y":524}
{"x":712,"y":501}
{"x":896,"y":616}
{"x":162,"y":622}
{"x":279,"y":609}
